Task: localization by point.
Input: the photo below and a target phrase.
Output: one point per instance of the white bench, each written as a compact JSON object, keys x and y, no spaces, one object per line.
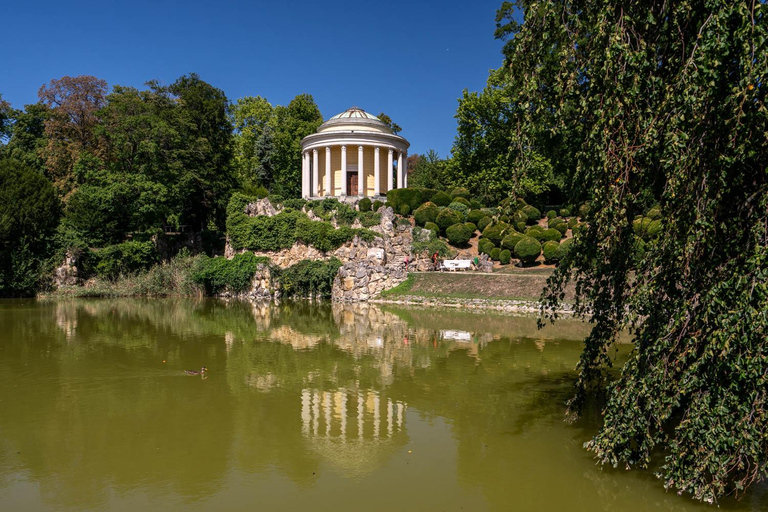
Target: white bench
{"x":457,"y":264}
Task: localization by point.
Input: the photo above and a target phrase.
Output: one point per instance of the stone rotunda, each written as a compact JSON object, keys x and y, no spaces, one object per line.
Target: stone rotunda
{"x":353,"y":154}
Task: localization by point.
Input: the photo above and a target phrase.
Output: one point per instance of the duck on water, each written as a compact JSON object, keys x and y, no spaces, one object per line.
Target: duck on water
{"x":201,"y":371}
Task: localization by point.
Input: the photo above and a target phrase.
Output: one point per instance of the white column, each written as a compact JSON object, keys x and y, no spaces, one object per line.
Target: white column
{"x":315,"y":174}
{"x":376,"y":173}
{"x":344,"y":170}
{"x":360,"y":173}
{"x":405,"y":170}
{"x":389,"y":170}
{"x":399,"y":169}
{"x":328,"y":172}
{"x":304,"y":174}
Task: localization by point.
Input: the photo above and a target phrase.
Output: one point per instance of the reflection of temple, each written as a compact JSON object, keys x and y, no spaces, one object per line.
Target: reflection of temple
{"x":356,"y":430}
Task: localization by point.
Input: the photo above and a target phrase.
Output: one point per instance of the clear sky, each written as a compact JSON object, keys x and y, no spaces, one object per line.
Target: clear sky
{"x":410,"y":60}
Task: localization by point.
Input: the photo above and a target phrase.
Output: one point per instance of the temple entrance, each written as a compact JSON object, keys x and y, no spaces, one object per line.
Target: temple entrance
{"x":352,"y":188}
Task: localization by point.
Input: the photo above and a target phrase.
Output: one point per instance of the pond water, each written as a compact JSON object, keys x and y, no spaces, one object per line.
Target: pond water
{"x":303,"y":407}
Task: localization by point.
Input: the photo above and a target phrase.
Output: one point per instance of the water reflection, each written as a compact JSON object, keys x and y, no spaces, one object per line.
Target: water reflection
{"x":302,"y":401}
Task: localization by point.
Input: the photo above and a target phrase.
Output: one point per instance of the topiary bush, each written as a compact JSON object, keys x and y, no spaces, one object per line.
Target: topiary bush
{"x":552,"y":235}
{"x":475,"y":204}
{"x":457,"y":235}
{"x":460,"y":192}
{"x":426,"y":213}
{"x":411,"y":197}
{"x":505,"y":256}
{"x":441,"y":199}
{"x":565,"y":212}
{"x":584,"y":210}
{"x":474,"y":216}
{"x":405,"y":210}
{"x":504,"y":218}
{"x":432,"y":227}
{"x":462,"y":209}
{"x":654,"y":229}
{"x":654,"y":213}
{"x":535,"y":232}
{"x":532,"y":213}
{"x":551,"y":251}
{"x":510,"y":241}
{"x":376,"y":205}
{"x":483,"y":223}
{"x":565,"y":247}
{"x":364,"y":205}
{"x":519,"y":217}
{"x":551,"y":214}
{"x":485,"y":246}
{"x":528,"y":249}
{"x":495,"y":232}
{"x":447,"y":218}
{"x":471,"y":228}
{"x":573,"y":222}
{"x":462,"y":201}
{"x":495,"y":253}
{"x":640,"y":226}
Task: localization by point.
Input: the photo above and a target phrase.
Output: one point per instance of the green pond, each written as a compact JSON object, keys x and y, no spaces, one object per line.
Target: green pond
{"x":304,"y":407}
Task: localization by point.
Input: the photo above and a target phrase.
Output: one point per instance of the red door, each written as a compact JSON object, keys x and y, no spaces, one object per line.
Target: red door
{"x":352,"y":185}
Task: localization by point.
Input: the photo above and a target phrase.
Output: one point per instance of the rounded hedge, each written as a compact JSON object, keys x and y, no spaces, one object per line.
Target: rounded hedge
{"x":528,"y":249}
{"x":460,"y":192}
{"x":532,"y":213}
{"x":654,"y":228}
{"x":447,"y":218}
{"x":584,"y":210}
{"x":376,"y":205}
{"x":426,"y":213}
{"x":535,"y":232}
{"x":504,"y":218}
{"x":573,"y":222}
{"x":461,"y":208}
{"x":554,"y":222}
{"x":405,"y":210}
{"x":474,"y":216}
{"x":565,"y":212}
{"x":565,"y":247}
{"x":462,"y":201}
{"x":495,"y":232}
{"x":505,"y":256}
{"x":551,"y":251}
{"x":551,"y":214}
{"x":520,"y":203}
{"x":364,"y":205}
{"x":561,"y":227}
{"x":552,"y":235}
{"x":475,"y":204}
{"x":432,"y":227}
{"x":457,"y":234}
{"x":483,"y":223}
{"x":510,"y":241}
{"x":495,"y":253}
{"x":485,"y":246}
{"x":654,"y":213}
{"x":470,"y":226}
{"x":441,"y":199}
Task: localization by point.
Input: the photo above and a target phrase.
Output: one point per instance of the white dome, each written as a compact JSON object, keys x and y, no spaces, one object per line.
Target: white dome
{"x":356,"y":120}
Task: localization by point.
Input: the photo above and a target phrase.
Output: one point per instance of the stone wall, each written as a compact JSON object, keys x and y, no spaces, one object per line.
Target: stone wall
{"x":359,"y":281}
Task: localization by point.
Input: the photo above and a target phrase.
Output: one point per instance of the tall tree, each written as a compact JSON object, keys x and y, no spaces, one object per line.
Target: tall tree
{"x":669,"y":98}
{"x":25,"y":131}
{"x":427,"y":171}
{"x":74,"y":102}
{"x":252,"y":141}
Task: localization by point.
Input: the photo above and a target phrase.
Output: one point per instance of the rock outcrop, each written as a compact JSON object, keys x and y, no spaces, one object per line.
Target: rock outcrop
{"x":67,"y":274}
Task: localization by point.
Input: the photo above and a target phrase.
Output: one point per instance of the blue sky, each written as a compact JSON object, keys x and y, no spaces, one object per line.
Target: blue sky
{"x":409,"y":59}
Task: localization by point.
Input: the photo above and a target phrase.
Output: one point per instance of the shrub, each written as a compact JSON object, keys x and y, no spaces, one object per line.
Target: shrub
{"x":554,"y":222}
{"x":519,"y":217}
{"x":640,"y":226}
{"x":584,"y":210}
{"x":485,"y":246}
{"x":474,"y":216}
{"x":460,"y":192}
{"x":433,"y":246}
{"x":510,"y":241}
{"x":551,"y":251}
{"x":405,"y":210}
{"x":654,"y":229}
{"x":495,"y":232}
{"x":462,"y":201}
{"x":276,"y":199}
{"x":505,"y":256}
{"x":535,"y":232}
{"x":309,"y":278}
{"x":432,"y":227}
{"x":573,"y":222}
{"x":475,"y":204}
{"x":457,"y":234}
{"x":370,"y":219}
{"x":483,"y":223}
{"x":565,"y":247}
{"x":565,"y":212}
{"x":426,"y":213}
{"x":447,"y":218}
{"x":551,"y":214}
{"x":218,"y":274}
{"x":552,"y":235}
{"x":471,"y":228}
{"x":441,"y":199}
{"x":296,"y":204}
{"x":504,"y":218}
{"x":377,"y":204}
{"x":462,"y":209}
{"x":528,"y":249}
{"x":532,"y":213}
{"x":124,"y":258}
{"x":495,"y":253}
{"x":562,"y":227}
{"x":364,"y":205}
{"x":654,"y":213}
{"x":411,"y":197}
